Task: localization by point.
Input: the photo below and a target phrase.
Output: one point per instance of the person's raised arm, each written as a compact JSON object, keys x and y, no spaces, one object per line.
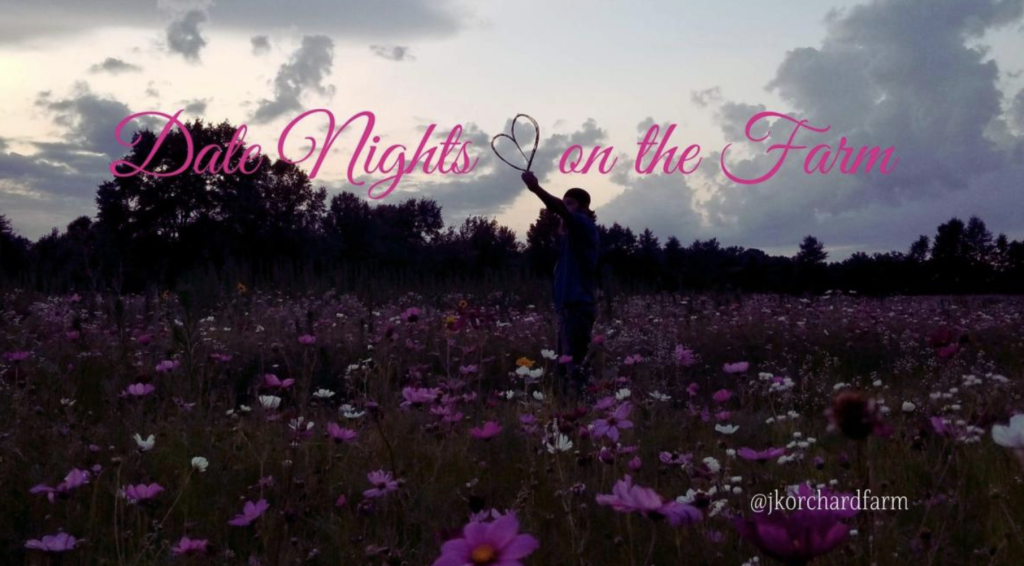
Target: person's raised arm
{"x":553,"y":203}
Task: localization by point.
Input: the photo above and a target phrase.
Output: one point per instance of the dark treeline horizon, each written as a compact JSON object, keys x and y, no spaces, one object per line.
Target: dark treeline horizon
{"x":273,"y":228}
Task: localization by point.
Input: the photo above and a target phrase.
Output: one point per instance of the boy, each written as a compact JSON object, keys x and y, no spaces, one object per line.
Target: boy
{"x":575,"y":273}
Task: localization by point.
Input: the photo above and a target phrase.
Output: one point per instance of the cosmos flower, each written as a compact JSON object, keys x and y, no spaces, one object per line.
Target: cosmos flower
{"x":760,"y":456}
{"x":612,"y":423}
{"x":684,"y":356}
{"x":383,"y":483}
{"x":737,"y":367}
{"x":250,"y":512}
{"x":489,"y":430}
{"x":628,"y":498}
{"x":307,"y":339}
{"x":200,"y":464}
{"x":167,"y":366}
{"x":341,"y":434}
{"x":417,"y":396}
{"x":138,"y":390}
{"x":855,"y":415}
{"x":799,"y":536}
{"x":142,"y":492}
{"x":190,"y":546}
{"x":497,"y":542}
{"x":60,"y":542}
{"x":1011,"y":435}
{"x":270,"y":401}
{"x":560,"y":443}
{"x":144,"y":444}
{"x":272,"y":381}
{"x":722,"y":395}
{"x":74,"y":479}
{"x":726,"y":428}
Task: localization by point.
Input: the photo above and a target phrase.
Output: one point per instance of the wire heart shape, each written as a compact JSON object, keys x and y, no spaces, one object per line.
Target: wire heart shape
{"x":515,"y":142}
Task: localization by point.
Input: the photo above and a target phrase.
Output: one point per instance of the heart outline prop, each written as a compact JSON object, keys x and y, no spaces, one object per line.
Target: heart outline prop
{"x":515,"y":142}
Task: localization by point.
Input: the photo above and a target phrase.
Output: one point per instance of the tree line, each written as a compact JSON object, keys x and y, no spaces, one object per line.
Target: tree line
{"x":273,"y":227}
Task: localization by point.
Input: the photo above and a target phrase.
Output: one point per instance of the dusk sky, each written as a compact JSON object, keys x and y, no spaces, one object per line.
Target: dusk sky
{"x":941,"y":80}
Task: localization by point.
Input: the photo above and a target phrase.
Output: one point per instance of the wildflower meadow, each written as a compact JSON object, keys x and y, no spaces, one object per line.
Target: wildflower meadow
{"x":268,"y":428}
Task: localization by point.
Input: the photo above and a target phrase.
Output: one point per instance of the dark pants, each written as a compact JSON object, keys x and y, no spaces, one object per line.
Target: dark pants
{"x":575,"y":322}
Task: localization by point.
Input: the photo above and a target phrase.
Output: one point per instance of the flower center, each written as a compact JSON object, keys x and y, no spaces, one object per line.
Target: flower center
{"x":483,"y":554}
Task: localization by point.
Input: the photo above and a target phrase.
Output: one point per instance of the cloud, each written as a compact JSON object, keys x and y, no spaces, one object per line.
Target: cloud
{"x":898,"y":73}
{"x":260,"y":44}
{"x":114,"y":66}
{"x":392,"y":52}
{"x":58,"y":181}
{"x":1017,"y":111}
{"x":706,"y":97}
{"x":306,"y":69}
{"x":493,"y":185}
{"x":183,"y":35}
{"x":196,"y":107}
{"x":356,"y":20}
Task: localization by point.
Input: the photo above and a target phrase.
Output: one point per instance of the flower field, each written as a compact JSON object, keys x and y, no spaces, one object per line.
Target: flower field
{"x":270,"y":429}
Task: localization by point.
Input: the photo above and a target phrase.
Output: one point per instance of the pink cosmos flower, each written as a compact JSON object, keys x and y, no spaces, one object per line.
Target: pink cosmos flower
{"x":17,"y":356}
{"x":685,"y":356}
{"x":272,"y":381}
{"x":341,"y":434}
{"x":138,"y":390}
{"x":486,"y":432}
{"x":142,"y":492}
{"x":167,"y":366}
{"x":613,"y":422}
{"x":190,"y":546}
{"x":633,"y":359}
{"x":74,"y":479}
{"x":799,"y":536}
{"x":416,"y":396}
{"x":498,"y":543}
{"x":738,"y":367}
{"x":307,"y":339}
{"x":628,"y":498}
{"x":60,"y":542}
{"x":760,"y":456}
{"x":383,"y":484}
{"x":722,"y":395}
{"x":250,"y":512}
{"x":564,"y":359}
{"x":411,"y":314}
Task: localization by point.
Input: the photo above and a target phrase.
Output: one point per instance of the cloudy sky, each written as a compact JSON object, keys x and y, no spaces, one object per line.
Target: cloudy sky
{"x":941,"y":80}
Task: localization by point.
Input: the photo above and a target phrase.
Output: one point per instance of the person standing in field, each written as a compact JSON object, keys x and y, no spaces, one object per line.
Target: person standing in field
{"x":575,"y":275}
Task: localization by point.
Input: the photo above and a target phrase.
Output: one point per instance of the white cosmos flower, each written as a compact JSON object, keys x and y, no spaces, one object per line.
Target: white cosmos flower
{"x":270,"y":401}
{"x":623,"y":394}
{"x":146,"y":444}
{"x":536,"y":373}
{"x":200,"y":464}
{"x":726,"y":429}
{"x":908,"y":407}
{"x":1012,"y":435}
{"x":350,"y":412}
{"x":323,"y":394}
{"x":548,"y":354}
{"x":539,"y":396}
{"x":659,"y":396}
{"x":561,"y":444}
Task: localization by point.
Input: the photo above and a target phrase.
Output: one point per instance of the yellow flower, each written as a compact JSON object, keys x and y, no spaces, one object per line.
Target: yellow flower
{"x":242,"y":289}
{"x":524,"y":362}
{"x":463,"y":304}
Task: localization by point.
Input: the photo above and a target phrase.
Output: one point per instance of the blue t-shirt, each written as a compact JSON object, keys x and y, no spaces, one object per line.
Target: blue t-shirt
{"x":576,"y":271}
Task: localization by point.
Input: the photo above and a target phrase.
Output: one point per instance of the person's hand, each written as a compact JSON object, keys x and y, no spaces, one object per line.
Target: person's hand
{"x":531,"y":180}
